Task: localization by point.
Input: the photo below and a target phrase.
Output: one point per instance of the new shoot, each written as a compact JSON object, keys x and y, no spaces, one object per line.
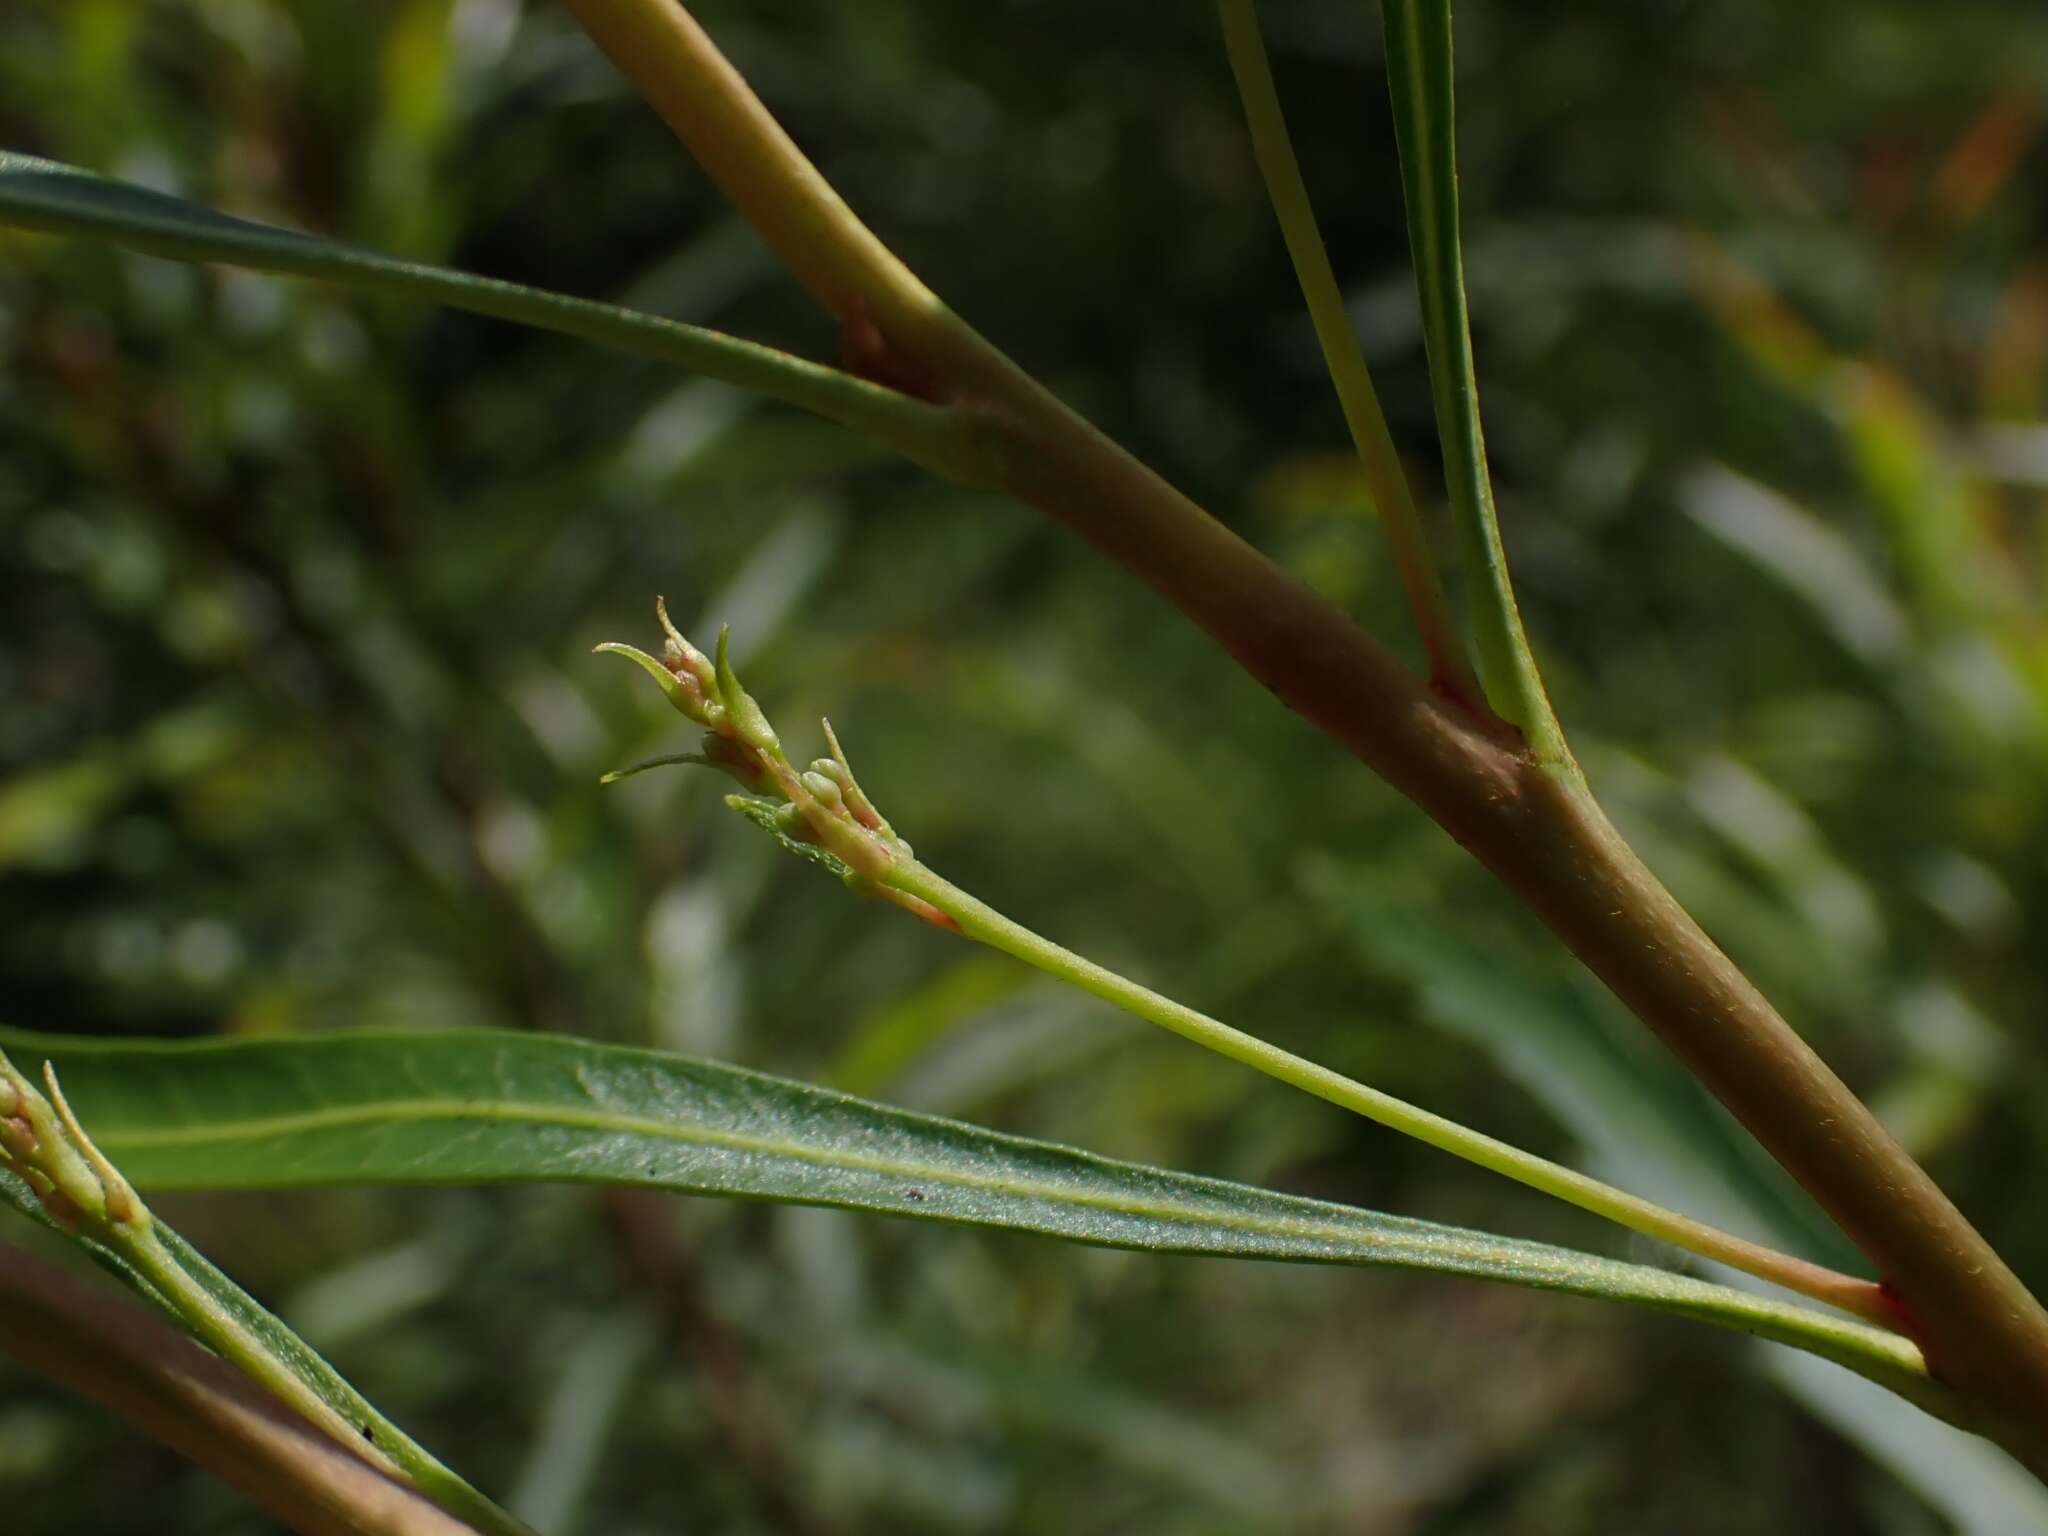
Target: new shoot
{"x":822,"y":814}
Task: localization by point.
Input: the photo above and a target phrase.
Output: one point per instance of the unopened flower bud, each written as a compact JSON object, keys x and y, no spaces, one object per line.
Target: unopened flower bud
{"x":826,"y":791}
{"x":749,"y":724}
{"x":684,"y":658}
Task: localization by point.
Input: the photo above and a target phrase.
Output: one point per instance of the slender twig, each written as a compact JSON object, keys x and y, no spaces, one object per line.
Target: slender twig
{"x":825,"y":815}
{"x":981,"y":922}
{"x":1342,"y":355}
{"x":105,"y":1347}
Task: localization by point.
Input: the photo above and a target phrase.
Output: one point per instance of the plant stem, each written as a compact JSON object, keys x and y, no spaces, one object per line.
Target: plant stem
{"x":1342,"y":356}
{"x":107,"y":1348}
{"x":976,"y":920}
{"x":1986,"y":1336}
{"x":1294,"y":643}
{"x":1983,"y":1331}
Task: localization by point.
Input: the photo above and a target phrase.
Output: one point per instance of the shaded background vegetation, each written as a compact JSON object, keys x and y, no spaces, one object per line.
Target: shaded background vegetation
{"x":298,"y":729}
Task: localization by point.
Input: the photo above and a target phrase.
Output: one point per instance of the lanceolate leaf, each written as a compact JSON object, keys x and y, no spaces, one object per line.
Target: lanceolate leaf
{"x":51,"y":197}
{"x":1419,"y":78}
{"x":477,"y":1107}
{"x":288,"y":1363}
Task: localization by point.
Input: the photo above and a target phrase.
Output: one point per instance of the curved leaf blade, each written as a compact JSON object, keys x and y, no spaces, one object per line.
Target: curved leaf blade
{"x":282,"y":1361}
{"x":50,"y":197}
{"x":1419,"y":79}
{"x":484,"y":1107}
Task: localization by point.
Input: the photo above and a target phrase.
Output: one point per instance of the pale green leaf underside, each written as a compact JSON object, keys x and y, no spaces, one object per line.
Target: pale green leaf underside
{"x":484,"y":1107}
{"x":53,"y":198}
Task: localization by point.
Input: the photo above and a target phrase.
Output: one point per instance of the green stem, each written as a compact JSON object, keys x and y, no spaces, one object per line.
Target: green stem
{"x":979,"y":921}
{"x":46,"y":196}
{"x":1342,"y":356}
{"x":1418,"y":34}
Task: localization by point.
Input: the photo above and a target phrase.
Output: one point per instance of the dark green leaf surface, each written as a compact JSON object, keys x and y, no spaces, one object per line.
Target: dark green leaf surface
{"x":478,"y":1107}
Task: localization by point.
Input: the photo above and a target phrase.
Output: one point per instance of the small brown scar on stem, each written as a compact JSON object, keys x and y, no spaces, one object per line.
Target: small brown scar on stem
{"x":865,"y":352}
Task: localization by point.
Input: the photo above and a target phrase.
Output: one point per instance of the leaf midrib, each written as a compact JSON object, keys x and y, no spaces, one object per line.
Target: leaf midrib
{"x":412,"y":1111}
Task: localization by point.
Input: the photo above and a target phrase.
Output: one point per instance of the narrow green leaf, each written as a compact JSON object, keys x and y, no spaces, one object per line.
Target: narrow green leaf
{"x":1635,"y":1110}
{"x":476,"y":1106}
{"x":122,"y":1357}
{"x":1583,"y":1057}
{"x":283,"y":1351}
{"x":53,"y":198}
{"x":1343,"y":357}
{"x":1419,"y":78}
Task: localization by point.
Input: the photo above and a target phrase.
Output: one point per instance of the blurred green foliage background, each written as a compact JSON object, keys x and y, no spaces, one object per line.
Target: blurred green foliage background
{"x":298,"y":729}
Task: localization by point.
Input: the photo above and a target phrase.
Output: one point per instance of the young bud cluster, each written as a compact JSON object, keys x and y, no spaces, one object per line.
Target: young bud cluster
{"x":822,"y":805}
{"x":42,"y":1143}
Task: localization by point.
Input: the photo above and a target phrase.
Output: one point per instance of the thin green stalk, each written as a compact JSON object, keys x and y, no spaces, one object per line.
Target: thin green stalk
{"x":1418,"y":34}
{"x":52,"y":198}
{"x":978,"y":921}
{"x":1342,"y":355}
{"x":824,"y":815}
{"x":42,"y":1143}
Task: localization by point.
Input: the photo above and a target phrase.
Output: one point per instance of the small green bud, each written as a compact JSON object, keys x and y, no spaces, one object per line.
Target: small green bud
{"x":789,"y":821}
{"x":831,"y":770}
{"x":684,"y":657}
{"x":749,"y":724}
{"x":841,"y":773}
{"x":826,"y":791}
